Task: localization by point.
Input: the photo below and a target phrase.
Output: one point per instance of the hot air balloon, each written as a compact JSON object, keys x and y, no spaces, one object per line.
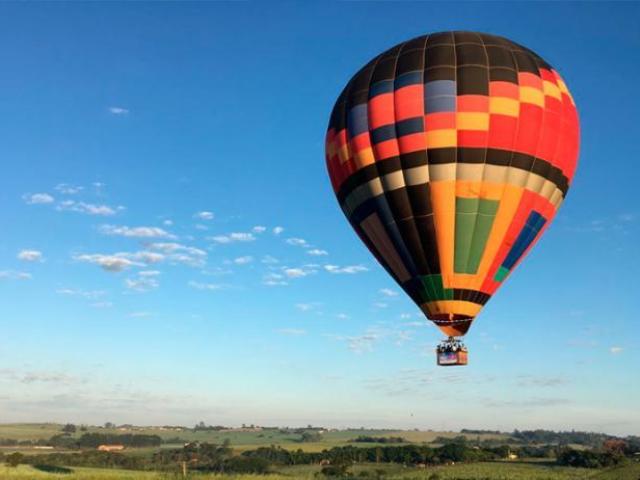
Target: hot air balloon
{"x":450,"y":154}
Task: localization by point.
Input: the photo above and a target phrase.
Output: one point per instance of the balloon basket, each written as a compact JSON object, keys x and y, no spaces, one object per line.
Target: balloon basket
{"x":451,"y":353}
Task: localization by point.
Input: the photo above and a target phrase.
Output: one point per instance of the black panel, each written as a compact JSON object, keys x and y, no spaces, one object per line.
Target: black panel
{"x":440,"y":38}
{"x":503,"y":75}
{"x":472,"y":81}
{"x":499,"y":157}
{"x":414,"y":245}
{"x":500,"y":57}
{"x":414,"y":159}
{"x":522,"y":161}
{"x":384,"y":70}
{"x":525,"y":62}
{"x":420,"y":198}
{"x":470,"y":54}
{"x":410,"y":61}
{"x":439,"y":73}
{"x":471,"y":155}
{"x":441,"y":155}
{"x":442,"y":55}
{"x":467,"y":37}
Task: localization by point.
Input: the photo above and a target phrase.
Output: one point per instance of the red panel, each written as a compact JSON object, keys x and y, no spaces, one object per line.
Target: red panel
{"x":530,"y":123}
{"x":504,"y":89}
{"x":412,"y":143}
{"x":440,"y":121}
{"x":386,"y":149}
{"x":381,"y":110}
{"x":472,"y":103}
{"x":502,"y":131}
{"x":361,"y":142}
{"x":473,"y":138}
{"x":408,"y":102}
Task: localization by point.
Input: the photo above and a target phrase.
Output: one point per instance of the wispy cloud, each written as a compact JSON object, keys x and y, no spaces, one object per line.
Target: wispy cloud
{"x":616,"y":350}
{"x":30,"y":256}
{"x":277,"y":230}
{"x":144,"y":281}
{"x":109,"y":263}
{"x":135,"y":232}
{"x":348,"y":269}
{"x":317,"y":252}
{"x":269,"y":260}
{"x":259,"y":229}
{"x":14,"y":275}
{"x":88,"y":208}
{"x":243,"y":260}
{"x":179,"y":253}
{"x":541,"y":381}
{"x":75,"y":292}
{"x":118,"y":111}
{"x":38,"y":198}
{"x":205,"y":286}
{"x":233,"y":237}
{"x":296,"y":332}
{"x":273,"y":279}
{"x":387,"y":292}
{"x":67,"y":189}
{"x":204,"y":215}
{"x":298,"y":242}
{"x":29,"y":377}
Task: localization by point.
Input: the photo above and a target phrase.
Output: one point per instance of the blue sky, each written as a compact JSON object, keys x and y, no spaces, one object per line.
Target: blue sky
{"x":172,"y":250}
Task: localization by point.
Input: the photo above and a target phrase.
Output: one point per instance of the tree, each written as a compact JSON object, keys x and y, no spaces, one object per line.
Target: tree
{"x":109,"y":425}
{"x":310,"y":437}
{"x":14,"y":459}
{"x":69,"y":429}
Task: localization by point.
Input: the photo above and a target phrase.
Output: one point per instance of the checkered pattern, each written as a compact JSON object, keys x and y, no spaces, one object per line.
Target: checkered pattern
{"x":449,"y":155}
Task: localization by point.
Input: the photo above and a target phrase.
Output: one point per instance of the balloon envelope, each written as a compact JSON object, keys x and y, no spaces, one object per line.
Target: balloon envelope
{"x":449,"y":155}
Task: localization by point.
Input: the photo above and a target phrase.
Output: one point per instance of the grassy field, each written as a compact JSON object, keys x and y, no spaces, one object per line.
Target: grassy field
{"x":479,"y":471}
{"x":240,"y":440}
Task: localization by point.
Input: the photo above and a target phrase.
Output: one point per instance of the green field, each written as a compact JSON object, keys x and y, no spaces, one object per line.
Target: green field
{"x":479,"y":471}
{"x":240,"y":440}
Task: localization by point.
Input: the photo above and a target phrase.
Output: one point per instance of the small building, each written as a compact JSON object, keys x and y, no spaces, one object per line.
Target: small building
{"x":512,"y":456}
{"x":110,"y":448}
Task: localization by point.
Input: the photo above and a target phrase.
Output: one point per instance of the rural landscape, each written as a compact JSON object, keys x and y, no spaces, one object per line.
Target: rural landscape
{"x":203,"y":451}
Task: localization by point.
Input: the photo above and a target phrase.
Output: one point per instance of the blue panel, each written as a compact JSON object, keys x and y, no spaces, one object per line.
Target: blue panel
{"x":438,"y":88}
{"x":358,"y":120}
{"x":411,"y":78}
{"x":440,"y":104}
{"x":383,"y":133}
{"x":532,"y":227}
{"x":385,"y":86}
{"x":409,"y":126}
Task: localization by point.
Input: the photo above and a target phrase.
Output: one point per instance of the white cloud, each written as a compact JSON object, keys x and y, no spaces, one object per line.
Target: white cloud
{"x":118,"y":110}
{"x":305,"y":307}
{"x":88,"y":208}
{"x":243,"y":260}
{"x":38,"y":198}
{"x":233,"y":237}
{"x":298,"y":242}
{"x":274,"y":279}
{"x":269,"y":260}
{"x":380,"y":305}
{"x":167,"y":223}
{"x":143,"y":282}
{"x":349,"y":269}
{"x":14,"y":275}
{"x":179,"y":253}
{"x":342,"y":316}
{"x":204,"y":286}
{"x":101,"y":305}
{"x":387,"y":292}
{"x":135,"y":232}
{"x":292,"y":331}
{"x":204,"y":215}
{"x":278,"y":230}
{"x":295,"y":272}
{"x":88,"y":294}
{"x":67,"y":189}
{"x":30,"y":256}
{"x":110,"y":263}
{"x":616,"y":350}
{"x":259,"y":229}
{"x":317,"y":252}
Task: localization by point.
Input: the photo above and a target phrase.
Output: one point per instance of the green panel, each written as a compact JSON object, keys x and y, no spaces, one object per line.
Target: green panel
{"x":501,"y":274}
{"x":466,"y":213}
{"x":484,"y":222}
{"x":434,"y":289}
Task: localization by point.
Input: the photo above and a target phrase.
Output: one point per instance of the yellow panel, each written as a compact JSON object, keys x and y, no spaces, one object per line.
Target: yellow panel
{"x":504,"y":106}
{"x":443,"y":200}
{"x":532,"y":95}
{"x":442,"y":138}
{"x":344,"y":153}
{"x":459,"y":307}
{"x":472,"y":121}
{"x":364,"y":157}
{"x":506,"y":210}
{"x":551,"y":89}
{"x":486,"y":190}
